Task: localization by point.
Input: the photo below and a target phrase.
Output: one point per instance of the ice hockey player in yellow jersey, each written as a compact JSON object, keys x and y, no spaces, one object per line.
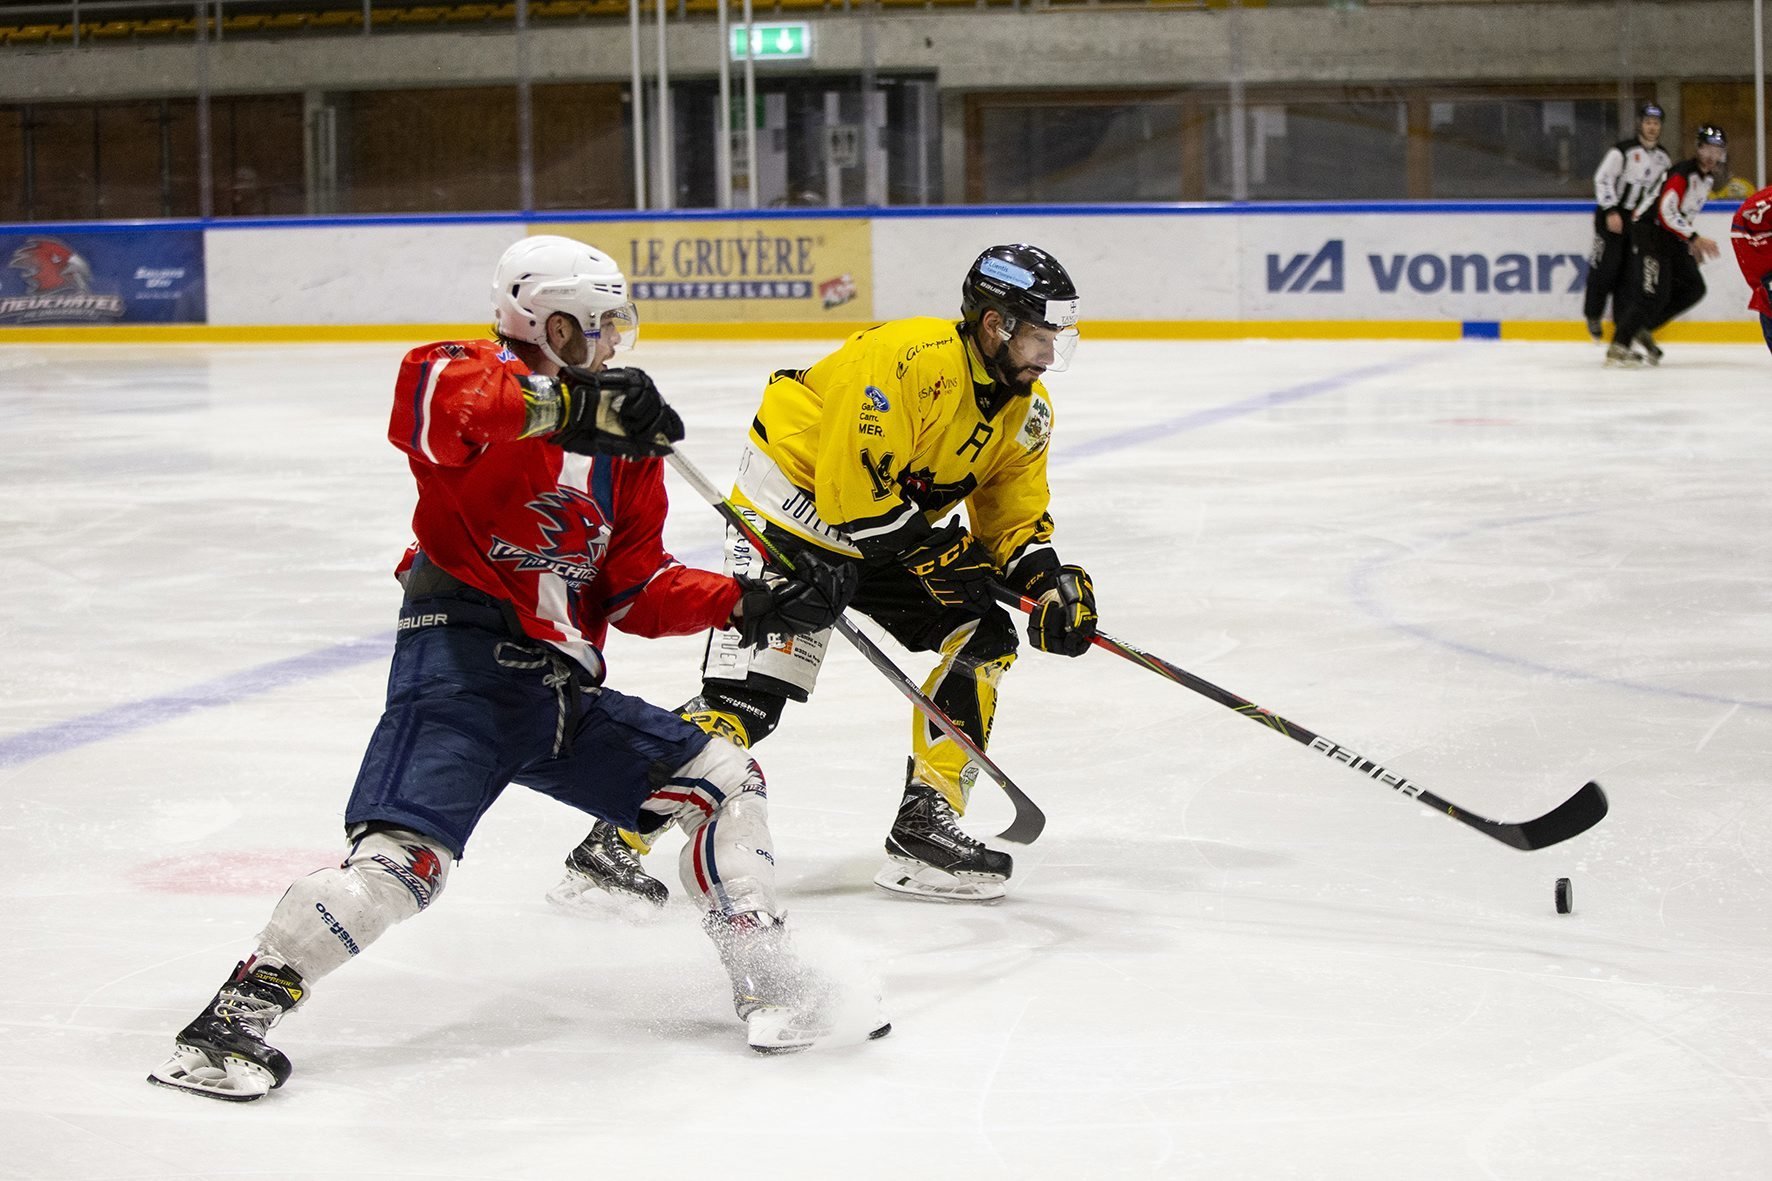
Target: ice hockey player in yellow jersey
{"x":867,"y":454}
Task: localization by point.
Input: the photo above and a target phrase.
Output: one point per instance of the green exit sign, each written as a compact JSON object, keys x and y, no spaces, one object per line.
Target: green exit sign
{"x":787,"y":41}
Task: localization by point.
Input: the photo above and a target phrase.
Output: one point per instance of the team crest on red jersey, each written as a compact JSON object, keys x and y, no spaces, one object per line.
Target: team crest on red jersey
{"x":564,"y":512}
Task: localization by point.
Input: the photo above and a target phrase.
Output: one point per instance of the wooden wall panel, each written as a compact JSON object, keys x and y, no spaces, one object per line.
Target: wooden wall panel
{"x":63,"y":171}
{"x":258,"y":156}
{"x":582,"y":155}
{"x":129,"y":160}
{"x":12,"y":163}
{"x":1730,"y":105}
{"x":180,"y":132}
{"x":445,"y":151}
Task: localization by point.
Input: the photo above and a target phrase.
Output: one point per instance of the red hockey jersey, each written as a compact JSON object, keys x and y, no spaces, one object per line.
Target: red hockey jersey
{"x":1752,"y":234}
{"x":573,"y":542}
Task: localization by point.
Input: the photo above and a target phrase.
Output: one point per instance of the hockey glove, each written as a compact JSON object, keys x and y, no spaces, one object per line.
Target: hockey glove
{"x":615,"y":412}
{"x":954,"y":569}
{"x":798,"y":602}
{"x":1063,"y":620}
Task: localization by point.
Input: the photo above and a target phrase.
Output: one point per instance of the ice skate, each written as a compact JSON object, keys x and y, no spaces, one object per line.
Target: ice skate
{"x":1596,"y":330}
{"x":785,"y":1005}
{"x":929,"y":856}
{"x":1620,"y":357}
{"x":223,"y":1053}
{"x":1651,"y":350}
{"x":603,"y":875}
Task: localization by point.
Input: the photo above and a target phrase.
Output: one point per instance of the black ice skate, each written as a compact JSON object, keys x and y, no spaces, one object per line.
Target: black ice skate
{"x":223,"y":1054}
{"x":1620,"y":357}
{"x":931,"y":857}
{"x":1596,"y":330}
{"x":785,"y":1005}
{"x":603,"y":873}
{"x":1651,"y":350}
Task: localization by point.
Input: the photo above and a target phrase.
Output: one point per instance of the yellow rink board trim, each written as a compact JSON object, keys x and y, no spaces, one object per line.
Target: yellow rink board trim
{"x":1707,"y":332}
{"x":1679,"y":332}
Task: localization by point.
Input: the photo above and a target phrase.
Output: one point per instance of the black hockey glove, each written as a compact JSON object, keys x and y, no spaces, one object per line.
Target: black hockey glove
{"x":1063,"y":620}
{"x":615,"y":412}
{"x":797,"y":602}
{"x":954,"y":569}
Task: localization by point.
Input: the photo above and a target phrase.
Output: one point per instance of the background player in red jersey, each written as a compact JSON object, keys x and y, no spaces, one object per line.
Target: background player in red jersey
{"x":540,"y":509}
{"x":1666,"y":252}
{"x":1751,"y":233}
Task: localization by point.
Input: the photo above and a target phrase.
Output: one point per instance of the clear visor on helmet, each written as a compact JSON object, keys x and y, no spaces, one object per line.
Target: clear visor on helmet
{"x":620,"y":327}
{"x":1040,"y":346}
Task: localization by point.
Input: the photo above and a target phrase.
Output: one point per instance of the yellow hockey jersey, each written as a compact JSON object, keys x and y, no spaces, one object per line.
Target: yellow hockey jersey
{"x":865,"y":449}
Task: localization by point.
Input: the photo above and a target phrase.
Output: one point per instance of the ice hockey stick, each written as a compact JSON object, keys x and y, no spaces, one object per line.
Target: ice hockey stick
{"x":1574,"y":816}
{"x":1029,"y":821}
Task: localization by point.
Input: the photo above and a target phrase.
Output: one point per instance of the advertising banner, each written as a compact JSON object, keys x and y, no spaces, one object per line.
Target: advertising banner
{"x":1426,"y":266}
{"x":52,"y":277}
{"x":1398,"y":265}
{"x":769,"y":270}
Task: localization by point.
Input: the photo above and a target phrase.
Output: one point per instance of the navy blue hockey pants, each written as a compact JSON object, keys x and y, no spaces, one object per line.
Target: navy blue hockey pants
{"x":471,"y":709}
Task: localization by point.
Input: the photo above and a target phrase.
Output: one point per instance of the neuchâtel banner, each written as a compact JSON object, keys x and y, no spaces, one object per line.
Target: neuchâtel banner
{"x":761,"y":270}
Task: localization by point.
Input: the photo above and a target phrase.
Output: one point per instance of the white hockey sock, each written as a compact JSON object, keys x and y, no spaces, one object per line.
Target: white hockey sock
{"x":720,"y":802}
{"x":332,"y":914}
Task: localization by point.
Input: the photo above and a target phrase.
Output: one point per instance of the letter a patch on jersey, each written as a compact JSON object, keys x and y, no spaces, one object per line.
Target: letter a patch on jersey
{"x":879,"y":474}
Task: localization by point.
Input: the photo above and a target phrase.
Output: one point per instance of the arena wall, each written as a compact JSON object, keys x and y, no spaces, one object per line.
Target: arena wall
{"x":1504,"y":269}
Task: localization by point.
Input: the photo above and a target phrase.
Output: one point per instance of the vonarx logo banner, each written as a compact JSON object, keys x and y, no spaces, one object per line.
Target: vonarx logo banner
{"x":1326,"y":271}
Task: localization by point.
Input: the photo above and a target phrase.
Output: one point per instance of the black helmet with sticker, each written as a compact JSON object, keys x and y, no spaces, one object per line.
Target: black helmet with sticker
{"x":1022,"y":283}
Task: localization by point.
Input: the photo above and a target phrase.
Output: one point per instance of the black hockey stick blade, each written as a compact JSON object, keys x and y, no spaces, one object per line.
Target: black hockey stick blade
{"x":1570,"y":818}
{"x":1029,"y":821}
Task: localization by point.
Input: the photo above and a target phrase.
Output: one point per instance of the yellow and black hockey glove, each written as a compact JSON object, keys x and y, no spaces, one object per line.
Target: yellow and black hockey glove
{"x":954,"y":569}
{"x":1063,"y":619}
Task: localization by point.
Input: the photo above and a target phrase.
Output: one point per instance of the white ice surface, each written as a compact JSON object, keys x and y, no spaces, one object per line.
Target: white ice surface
{"x":1497,"y":568}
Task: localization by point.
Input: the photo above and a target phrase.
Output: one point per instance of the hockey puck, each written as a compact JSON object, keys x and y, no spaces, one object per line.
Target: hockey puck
{"x":1565,"y":896}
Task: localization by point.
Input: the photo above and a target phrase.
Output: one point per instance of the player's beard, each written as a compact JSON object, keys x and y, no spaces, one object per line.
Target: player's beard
{"x":1013,"y":381}
{"x":1019,"y":383}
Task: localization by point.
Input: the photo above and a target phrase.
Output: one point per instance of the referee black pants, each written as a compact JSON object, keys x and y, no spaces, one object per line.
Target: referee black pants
{"x":1606,"y":269}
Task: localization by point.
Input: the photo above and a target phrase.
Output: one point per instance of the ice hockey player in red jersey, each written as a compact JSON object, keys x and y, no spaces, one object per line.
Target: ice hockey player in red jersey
{"x":1666,"y":252}
{"x":540,"y":508}
{"x":1751,"y":232}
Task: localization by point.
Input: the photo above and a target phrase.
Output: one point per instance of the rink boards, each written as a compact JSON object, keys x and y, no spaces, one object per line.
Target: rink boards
{"x":1424,"y":270}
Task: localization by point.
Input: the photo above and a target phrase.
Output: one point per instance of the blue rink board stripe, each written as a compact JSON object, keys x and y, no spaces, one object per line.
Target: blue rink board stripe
{"x":825,"y":213}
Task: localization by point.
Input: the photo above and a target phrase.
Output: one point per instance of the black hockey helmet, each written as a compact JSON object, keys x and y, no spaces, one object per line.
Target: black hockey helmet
{"x":1651,"y":110}
{"x":1024,"y":284}
{"x":1710,"y":133}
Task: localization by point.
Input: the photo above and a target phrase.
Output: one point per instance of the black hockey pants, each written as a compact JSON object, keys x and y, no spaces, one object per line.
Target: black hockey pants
{"x":1606,"y":269}
{"x":1664,"y":281}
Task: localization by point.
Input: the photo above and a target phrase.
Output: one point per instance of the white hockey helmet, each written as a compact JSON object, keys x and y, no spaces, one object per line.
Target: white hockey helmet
{"x":544,"y":274}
